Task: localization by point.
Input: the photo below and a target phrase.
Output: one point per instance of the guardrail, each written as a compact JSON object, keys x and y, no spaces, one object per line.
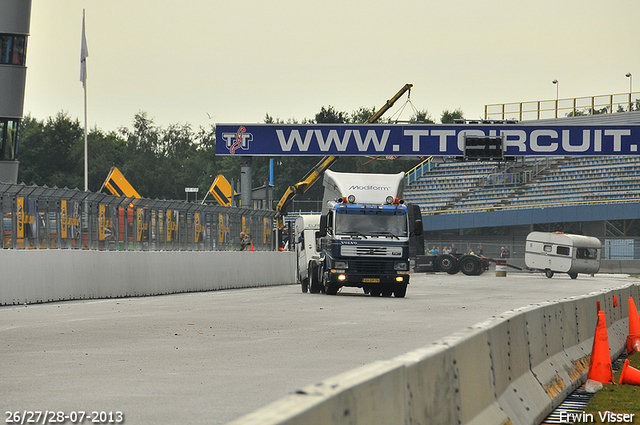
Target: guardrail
{"x":513,"y":369}
{"x":420,"y":170}
{"x":530,"y":206}
{"x":35,"y":217}
{"x":574,"y":106}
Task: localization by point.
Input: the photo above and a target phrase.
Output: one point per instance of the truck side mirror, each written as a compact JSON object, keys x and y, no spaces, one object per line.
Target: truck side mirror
{"x":323,"y":226}
{"x":417,"y":228}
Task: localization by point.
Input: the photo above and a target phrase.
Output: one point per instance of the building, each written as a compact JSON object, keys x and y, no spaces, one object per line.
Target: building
{"x":15,"y":18}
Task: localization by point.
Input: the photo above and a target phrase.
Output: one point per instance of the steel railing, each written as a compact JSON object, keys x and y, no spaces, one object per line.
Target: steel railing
{"x":555,"y":108}
{"x":35,"y":217}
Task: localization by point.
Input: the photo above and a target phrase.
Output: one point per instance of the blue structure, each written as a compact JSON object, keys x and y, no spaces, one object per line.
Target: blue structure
{"x":15,"y":17}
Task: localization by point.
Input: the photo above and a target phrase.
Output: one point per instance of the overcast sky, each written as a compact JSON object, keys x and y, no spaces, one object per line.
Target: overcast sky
{"x":239,"y":60}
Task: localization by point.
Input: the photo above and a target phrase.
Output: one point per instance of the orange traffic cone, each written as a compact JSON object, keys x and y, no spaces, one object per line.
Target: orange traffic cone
{"x":630,"y":375}
{"x":633,"y":339}
{"x":251,"y":249}
{"x":634,"y":320}
{"x":600,"y":365}
{"x":615,"y":301}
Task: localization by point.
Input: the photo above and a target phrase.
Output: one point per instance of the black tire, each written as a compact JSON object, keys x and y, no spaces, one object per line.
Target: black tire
{"x":375,"y":292}
{"x":447,"y":263}
{"x":305,"y":285}
{"x":314,"y":284}
{"x":573,"y":275}
{"x":470,"y":266}
{"x":400,"y":290}
{"x":329,"y":288}
{"x":548,"y":273}
{"x":387,"y":291}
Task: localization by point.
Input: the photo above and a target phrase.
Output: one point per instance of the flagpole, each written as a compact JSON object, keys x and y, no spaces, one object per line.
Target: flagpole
{"x":83,"y":77}
{"x":86,"y":156}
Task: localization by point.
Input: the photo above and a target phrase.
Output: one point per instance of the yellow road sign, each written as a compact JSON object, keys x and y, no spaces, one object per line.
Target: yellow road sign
{"x":118,"y":185}
{"x":221,"y":190}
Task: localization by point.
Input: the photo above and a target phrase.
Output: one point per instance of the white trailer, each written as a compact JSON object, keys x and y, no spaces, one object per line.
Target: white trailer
{"x":307,"y":254}
{"x":562,"y":253}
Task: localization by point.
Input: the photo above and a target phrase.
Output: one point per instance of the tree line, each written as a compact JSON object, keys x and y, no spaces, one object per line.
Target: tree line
{"x":160,"y":162}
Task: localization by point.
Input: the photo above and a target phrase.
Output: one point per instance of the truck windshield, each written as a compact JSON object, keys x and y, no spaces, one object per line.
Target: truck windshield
{"x":371,"y":224}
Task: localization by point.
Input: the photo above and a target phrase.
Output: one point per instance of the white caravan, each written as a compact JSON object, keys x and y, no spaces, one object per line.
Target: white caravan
{"x":306,"y":226}
{"x":562,"y":253}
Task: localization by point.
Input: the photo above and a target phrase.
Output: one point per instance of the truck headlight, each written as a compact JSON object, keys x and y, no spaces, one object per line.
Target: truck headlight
{"x":400,"y":266}
{"x":341,"y":264}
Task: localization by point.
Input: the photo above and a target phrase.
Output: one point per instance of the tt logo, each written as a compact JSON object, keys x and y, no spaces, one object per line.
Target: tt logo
{"x":238,"y":140}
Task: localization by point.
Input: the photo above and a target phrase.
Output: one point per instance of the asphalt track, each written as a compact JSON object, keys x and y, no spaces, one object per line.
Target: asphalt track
{"x":210,"y":357}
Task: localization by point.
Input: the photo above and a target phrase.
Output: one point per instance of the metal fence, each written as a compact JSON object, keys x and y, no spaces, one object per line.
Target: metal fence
{"x":35,"y":217}
{"x":574,"y":106}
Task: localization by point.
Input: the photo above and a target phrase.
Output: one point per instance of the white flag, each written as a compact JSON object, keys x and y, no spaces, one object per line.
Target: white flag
{"x":83,"y":55}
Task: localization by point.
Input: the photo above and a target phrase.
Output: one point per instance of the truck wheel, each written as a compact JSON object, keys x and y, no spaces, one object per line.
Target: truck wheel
{"x":400,"y":290}
{"x":573,"y":275}
{"x":447,"y":263}
{"x":375,"y":292}
{"x":314,"y":285}
{"x":469,"y":266}
{"x":548,"y":273}
{"x":329,"y":288}
{"x":387,"y":291}
{"x":305,"y":285}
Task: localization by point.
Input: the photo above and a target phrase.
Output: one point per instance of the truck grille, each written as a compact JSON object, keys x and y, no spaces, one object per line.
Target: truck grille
{"x":372,"y":267}
{"x":371,"y":251}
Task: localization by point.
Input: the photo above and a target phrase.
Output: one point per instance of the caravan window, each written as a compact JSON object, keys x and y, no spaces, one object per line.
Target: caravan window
{"x":587,"y":253}
{"x":563,"y":250}
{"x":547,"y":248}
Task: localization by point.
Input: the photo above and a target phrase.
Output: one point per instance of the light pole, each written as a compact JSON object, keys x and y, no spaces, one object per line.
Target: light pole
{"x":557,"y":87}
{"x":630,"y":77}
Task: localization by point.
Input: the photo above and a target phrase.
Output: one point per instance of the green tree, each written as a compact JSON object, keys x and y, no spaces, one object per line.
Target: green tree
{"x":104,"y":151}
{"x":421,"y":117}
{"x":331,"y":116}
{"x":448,"y":117}
{"x":142,"y":166}
{"x":52,"y":152}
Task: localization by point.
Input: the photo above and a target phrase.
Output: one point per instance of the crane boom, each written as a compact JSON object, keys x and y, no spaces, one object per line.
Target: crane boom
{"x":318,"y":170}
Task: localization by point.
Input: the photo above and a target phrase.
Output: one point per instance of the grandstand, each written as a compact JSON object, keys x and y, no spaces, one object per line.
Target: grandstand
{"x":458,"y":187}
{"x":468,"y":203}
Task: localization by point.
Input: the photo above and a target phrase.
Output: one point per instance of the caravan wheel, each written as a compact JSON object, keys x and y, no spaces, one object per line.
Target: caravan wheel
{"x":573,"y":275}
{"x":548,"y":273}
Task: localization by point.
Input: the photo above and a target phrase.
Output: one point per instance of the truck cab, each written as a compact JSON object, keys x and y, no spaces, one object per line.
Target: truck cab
{"x":365,"y":246}
{"x":364,"y":234}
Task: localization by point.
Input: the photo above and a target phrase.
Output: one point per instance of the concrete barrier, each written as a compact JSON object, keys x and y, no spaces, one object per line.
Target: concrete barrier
{"x":53,"y":275}
{"x":513,"y":369}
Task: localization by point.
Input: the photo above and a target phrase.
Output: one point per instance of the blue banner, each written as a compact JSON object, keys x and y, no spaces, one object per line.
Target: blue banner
{"x":423,"y":140}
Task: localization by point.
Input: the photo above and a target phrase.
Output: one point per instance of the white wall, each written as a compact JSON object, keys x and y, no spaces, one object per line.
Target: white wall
{"x":512,"y":369}
{"x":36,"y":276}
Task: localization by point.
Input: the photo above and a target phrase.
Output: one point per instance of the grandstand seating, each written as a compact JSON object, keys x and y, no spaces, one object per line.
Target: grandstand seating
{"x":454,"y":186}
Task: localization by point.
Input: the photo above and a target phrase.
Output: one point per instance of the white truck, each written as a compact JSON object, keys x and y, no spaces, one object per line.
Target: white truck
{"x":306,"y":227}
{"x":364,"y":234}
{"x":562,"y":253}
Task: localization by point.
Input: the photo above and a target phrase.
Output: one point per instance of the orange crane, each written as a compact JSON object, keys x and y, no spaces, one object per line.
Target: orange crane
{"x":318,"y":170}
